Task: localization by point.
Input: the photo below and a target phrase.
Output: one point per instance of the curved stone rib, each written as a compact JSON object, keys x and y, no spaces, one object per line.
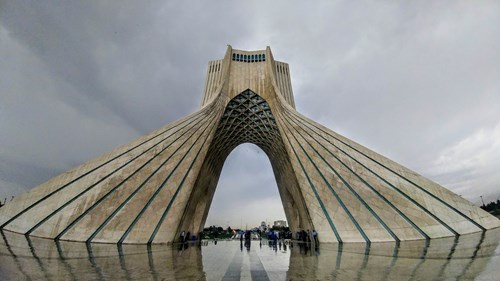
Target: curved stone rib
{"x":346,"y":185}
{"x":461,"y":206}
{"x":361,"y":180}
{"x":318,"y":197}
{"x":447,"y":215}
{"x":378,"y":192}
{"x":121,"y":205}
{"x":83,"y":171}
{"x":82,"y":193}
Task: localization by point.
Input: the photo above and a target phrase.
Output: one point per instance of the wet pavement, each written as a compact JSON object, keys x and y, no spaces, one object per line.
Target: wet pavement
{"x":468,"y":257}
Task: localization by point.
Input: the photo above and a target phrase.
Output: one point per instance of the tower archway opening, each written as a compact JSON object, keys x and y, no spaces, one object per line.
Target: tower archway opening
{"x":246,"y":193}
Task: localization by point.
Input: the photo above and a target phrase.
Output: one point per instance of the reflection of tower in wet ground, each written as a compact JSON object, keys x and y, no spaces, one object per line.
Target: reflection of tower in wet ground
{"x":43,"y":259}
{"x":461,"y":258}
{"x":464,"y":258}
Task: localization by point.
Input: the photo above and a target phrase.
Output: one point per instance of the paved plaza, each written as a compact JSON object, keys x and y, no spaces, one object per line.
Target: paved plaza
{"x":469,"y":257}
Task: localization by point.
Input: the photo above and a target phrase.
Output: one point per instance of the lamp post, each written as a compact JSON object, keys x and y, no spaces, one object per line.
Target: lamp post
{"x":484,"y":206}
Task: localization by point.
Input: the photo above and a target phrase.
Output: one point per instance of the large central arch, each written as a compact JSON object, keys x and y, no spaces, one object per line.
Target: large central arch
{"x":247,"y":118}
{"x":151,"y":189}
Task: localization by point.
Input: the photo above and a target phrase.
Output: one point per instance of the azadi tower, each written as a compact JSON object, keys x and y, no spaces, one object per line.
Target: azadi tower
{"x":151,"y":189}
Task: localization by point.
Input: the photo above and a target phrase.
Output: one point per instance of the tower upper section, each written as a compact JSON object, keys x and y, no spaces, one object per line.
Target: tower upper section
{"x":255,"y":70}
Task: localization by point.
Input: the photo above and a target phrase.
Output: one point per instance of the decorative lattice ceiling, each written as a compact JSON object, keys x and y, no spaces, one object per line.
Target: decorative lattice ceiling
{"x":247,"y":118}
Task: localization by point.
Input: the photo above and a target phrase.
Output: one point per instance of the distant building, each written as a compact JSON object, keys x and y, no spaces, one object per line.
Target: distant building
{"x":280,"y":223}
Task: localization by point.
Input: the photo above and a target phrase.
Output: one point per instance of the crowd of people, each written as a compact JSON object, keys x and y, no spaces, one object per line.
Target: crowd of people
{"x":306,"y":240}
{"x":307,"y":236}
{"x":273,"y":236}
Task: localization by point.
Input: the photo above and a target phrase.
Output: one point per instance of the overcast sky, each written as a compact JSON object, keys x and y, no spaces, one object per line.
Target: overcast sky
{"x":417,"y":81}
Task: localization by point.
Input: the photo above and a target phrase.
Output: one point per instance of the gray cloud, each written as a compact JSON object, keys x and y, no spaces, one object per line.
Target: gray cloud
{"x":416,"y":82}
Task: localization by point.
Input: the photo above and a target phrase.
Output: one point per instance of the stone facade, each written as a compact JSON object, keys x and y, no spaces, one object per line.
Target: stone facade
{"x":151,"y":189}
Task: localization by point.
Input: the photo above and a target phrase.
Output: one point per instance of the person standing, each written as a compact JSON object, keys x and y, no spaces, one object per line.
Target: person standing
{"x":315,"y":236}
{"x":304,"y":235}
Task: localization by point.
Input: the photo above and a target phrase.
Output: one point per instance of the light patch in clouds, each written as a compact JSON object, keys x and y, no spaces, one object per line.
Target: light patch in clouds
{"x":470,"y":167}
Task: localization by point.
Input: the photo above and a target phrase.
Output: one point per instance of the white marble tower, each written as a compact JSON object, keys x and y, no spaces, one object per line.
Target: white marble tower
{"x":151,"y":189}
